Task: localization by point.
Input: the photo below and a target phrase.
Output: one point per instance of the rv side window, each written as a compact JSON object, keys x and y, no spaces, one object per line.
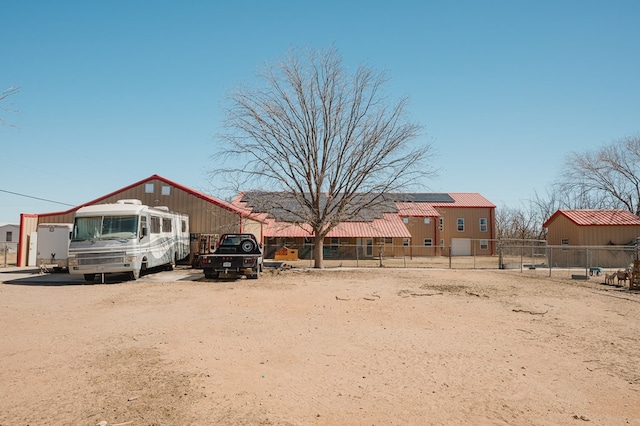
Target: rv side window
{"x":184,"y":226}
{"x":143,"y":226}
{"x":166,"y":224}
{"x":155,"y":225}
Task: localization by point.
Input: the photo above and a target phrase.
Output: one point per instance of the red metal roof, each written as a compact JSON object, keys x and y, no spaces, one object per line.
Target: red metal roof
{"x":430,"y":209}
{"x":389,"y":226}
{"x":466,"y":199}
{"x":414,"y":209}
{"x":597,"y":217}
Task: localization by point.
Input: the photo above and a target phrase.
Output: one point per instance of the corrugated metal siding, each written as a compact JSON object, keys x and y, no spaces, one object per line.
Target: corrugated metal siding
{"x":471,"y":218}
{"x":605,"y":235}
{"x":419,"y":231}
{"x":204,"y":217}
{"x":562,"y":228}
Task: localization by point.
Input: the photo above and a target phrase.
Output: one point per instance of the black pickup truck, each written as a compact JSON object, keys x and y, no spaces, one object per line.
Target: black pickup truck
{"x":235,"y":255}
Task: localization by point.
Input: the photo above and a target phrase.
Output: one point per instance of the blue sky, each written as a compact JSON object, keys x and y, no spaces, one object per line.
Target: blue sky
{"x":113,"y":92}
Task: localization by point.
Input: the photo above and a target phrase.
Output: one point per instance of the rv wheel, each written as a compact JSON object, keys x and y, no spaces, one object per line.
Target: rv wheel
{"x":89,"y":277}
{"x":172,"y":265}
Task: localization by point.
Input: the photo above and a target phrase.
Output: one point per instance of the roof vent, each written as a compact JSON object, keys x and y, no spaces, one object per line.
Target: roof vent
{"x":131,"y":201}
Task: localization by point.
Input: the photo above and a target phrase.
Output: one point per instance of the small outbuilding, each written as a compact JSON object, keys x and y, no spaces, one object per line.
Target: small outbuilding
{"x":592,"y":228}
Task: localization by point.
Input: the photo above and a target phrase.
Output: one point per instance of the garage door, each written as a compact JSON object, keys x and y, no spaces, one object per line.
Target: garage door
{"x":460,"y":247}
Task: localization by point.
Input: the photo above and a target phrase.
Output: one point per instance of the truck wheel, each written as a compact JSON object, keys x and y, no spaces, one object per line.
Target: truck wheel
{"x":247,"y":246}
{"x":211,"y":275}
{"x":256,"y":275}
{"x":89,"y":277}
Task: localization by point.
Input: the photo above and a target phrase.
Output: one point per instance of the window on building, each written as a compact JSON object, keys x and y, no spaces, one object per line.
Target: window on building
{"x":428,"y":242}
{"x":405,"y":242}
{"x":9,"y":236}
{"x":441,"y":243}
{"x":335,"y":241}
{"x":460,"y":222}
{"x":484,"y":244}
{"x":405,"y":220}
{"x":483,"y":224}
{"x":155,"y":225}
{"x":166,"y":190}
{"x":427,"y":220}
{"x":564,"y":242}
{"x":441,"y":223}
{"x":166,"y":225}
{"x":388,"y":240}
{"x":149,"y":188}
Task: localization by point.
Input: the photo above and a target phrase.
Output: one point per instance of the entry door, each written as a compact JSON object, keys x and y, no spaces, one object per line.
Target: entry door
{"x":368,"y":247}
{"x":33,"y":249}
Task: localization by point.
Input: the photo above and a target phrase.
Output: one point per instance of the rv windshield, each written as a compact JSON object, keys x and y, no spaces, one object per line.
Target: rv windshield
{"x":105,"y":227}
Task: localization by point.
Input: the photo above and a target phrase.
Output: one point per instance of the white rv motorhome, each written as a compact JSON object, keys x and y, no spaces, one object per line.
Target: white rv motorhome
{"x":53,"y":245}
{"x":126,"y":237}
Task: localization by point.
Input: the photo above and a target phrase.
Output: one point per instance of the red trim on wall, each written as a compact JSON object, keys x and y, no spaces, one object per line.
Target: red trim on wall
{"x":20,"y":261}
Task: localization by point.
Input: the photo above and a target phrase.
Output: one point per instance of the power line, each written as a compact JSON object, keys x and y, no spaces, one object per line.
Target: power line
{"x":36,"y":198}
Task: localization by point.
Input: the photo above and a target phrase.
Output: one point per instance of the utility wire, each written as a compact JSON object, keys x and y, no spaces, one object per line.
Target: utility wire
{"x":36,"y":198}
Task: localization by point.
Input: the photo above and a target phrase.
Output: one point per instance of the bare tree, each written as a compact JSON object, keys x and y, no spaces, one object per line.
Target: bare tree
{"x":606,"y":178}
{"x":325,"y":138}
{"x":3,"y":96}
{"x":518,"y":223}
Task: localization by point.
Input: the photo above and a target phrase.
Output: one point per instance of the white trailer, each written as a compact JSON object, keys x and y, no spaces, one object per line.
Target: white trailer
{"x":126,"y":237}
{"x":53,"y":245}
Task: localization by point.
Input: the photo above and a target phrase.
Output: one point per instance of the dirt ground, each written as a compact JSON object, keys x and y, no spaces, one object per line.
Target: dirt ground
{"x":375,"y":346}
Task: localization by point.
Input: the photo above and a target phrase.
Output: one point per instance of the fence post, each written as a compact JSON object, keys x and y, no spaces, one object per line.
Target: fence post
{"x":586,"y":269}
{"x":474,"y":255}
{"x":521,"y":256}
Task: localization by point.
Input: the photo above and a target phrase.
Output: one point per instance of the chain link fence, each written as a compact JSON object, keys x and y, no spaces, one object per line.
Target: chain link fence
{"x":523,"y":255}
{"x":8,"y":254}
{"x":482,"y":254}
{"x":573,"y":261}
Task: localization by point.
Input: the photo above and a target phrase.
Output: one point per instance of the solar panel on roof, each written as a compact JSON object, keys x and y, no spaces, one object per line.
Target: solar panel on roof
{"x":286,"y":207}
{"x":423,"y":197}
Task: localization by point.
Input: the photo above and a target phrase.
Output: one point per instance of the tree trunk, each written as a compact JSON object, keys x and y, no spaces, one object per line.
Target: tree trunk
{"x":318,"y":252}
